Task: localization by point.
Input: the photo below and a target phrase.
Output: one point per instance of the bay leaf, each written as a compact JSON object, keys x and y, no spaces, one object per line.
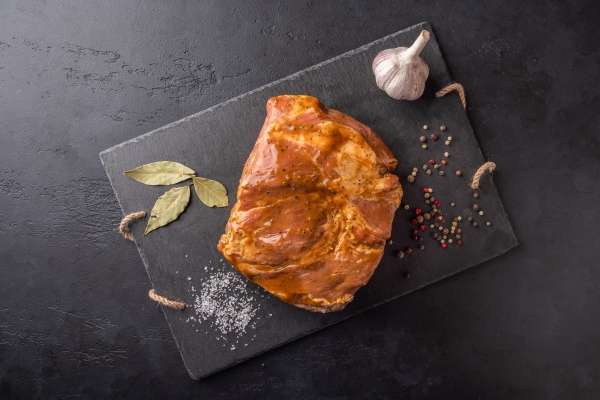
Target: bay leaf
{"x":210,"y":192}
{"x":160,"y":173}
{"x":168,"y":207}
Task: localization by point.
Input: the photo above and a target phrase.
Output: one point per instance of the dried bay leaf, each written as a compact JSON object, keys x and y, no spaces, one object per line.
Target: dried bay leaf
{"x":210,"y":192}
{"x":168,"y":207}
{"x":160,"y":173}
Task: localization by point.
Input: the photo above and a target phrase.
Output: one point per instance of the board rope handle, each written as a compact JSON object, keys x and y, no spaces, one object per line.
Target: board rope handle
{"x":488,"y":166}
{"x":451,"y":87}
{"x":124,"y":230}
{"x":128,"y":219}
{"x":178,"y":305}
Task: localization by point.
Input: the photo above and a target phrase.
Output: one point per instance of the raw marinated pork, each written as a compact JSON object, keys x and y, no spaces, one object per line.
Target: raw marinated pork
{"x":315,"y":205}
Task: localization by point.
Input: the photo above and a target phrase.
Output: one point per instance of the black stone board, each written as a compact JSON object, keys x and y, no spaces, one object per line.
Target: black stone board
{"x":182,"y":260}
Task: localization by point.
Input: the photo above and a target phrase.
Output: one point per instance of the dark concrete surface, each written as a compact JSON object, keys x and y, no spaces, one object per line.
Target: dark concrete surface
{"x":79,"y":77}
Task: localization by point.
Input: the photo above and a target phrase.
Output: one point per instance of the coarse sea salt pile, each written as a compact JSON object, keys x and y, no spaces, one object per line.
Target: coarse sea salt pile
{"x":224,"y":301}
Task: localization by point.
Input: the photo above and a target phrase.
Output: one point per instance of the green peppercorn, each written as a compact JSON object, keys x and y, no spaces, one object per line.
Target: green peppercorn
{"x":424,"y":146}
{"x":488,"y":223}
{"x":427,"y":195}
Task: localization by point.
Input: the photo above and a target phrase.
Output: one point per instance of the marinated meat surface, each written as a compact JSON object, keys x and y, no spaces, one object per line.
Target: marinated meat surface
{"x":315,"y":205}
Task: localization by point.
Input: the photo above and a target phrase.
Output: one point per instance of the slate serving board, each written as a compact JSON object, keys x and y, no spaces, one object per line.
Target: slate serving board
{"x":229,"y":319}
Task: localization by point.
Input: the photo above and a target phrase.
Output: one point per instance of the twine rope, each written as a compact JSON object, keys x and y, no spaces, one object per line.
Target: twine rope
{"x":129,"y":218}
{"x":166,"y":302}
{"x":488,"y":166}
{"x":454,"y":86}
{"x":123,"y":228}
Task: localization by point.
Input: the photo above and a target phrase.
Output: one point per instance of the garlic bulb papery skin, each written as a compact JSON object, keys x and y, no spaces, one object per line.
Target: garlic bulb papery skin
{"x":401,"y":72}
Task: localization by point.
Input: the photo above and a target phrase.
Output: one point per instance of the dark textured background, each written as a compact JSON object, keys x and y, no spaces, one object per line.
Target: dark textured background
{"x":76,"y":78}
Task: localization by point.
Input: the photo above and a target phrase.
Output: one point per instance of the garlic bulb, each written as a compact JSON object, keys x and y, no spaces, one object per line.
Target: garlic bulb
{"x":401,"y":72}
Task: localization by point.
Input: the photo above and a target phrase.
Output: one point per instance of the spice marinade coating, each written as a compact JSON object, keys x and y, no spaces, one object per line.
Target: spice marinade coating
{"x":315,"y":205}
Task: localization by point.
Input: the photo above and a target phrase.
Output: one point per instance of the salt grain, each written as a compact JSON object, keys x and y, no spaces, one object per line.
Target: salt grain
{"x":226,"y":302}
